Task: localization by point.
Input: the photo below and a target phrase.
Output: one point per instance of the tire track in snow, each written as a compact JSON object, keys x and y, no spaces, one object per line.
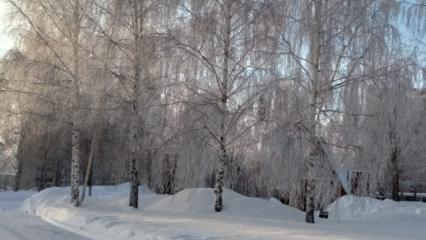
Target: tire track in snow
{"x":17,"y":225}
{"x":77,"y":231}
{"x":16,"y":235}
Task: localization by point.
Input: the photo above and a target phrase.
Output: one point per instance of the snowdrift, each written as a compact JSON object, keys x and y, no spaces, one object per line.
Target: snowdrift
{"x":357,"y":208}
{"x":200,"y":201}
{"x":352,"y":207}
{"x":105,"y":215}
{"x":189,"y":215}
{"x":189,"y":201}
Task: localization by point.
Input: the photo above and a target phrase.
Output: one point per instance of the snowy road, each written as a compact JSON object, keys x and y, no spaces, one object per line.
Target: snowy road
{"x":16,"y":225}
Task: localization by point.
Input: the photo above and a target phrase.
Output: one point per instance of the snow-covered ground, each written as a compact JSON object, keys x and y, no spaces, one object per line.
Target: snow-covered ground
{"x":17,"y":225}
{"x":189,"y":215}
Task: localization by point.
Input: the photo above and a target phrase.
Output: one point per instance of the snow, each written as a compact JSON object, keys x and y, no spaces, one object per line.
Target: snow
{"x":359,"y":208}
{"x":189,"y":215}
{"x":350,"y":207}
{"x":16,"y":225}
{"x":199,"y":201}
{"x":12,"y":200}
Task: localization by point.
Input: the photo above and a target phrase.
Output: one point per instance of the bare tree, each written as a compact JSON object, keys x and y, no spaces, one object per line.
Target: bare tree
{"x":225,"y":79}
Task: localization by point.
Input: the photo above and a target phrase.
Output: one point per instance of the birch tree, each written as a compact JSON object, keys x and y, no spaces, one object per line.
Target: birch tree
{"x":67,"y":19}
{"x":263,"y":97}
{"x":134,"y":24}
{"x":335,"y":58}
{"x":226,"y":79}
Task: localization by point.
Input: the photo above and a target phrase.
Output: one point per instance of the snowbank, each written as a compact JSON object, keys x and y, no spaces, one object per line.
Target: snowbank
{"x":354,"y":208}
{"x":189,"y":215}
{"x":200,"y":201}
{"x":350,"y":207}
{"x":105,"y":214}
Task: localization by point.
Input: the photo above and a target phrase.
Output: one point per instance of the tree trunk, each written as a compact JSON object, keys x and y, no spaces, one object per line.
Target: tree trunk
{"x":134,"y":178}
{"x":59,"y":181}
{"x":134,"y":185}
{"x":220,"y":172}
{"x":75,"y":167}
{"x":395,"y":185}
{"x":310,"y":182}
{"x":395,"y":171}
{"x":89,"y":164}
{"x":18,"y":176}
{"x":314,"y":109}
{"x":90,"y":183}
{"x":94,"y":145}
{"x":75,"y":161}
{"x":19,"y":157}
{"x":137,"y":28}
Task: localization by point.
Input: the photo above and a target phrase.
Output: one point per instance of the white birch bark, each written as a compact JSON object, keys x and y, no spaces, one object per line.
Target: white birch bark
{"x":223,"y":159}
{"x":75,"y":161}
{"x":220,"y":172}
{"x":75,"y":167}
{"x":134,"y":119}
{"x":314,"y":110}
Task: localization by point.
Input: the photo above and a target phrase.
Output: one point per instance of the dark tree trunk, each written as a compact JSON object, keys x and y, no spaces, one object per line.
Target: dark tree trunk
{"x":310,"y":182}
{"x":75,"y":168}
{"x":168,"y":174}
{"x":93,"y":150}
{"x":90,"y":183}
{"x":134,"y":185}
{"x":58,"y":173}
{"x":394,"y":164}
{"x":395,"y":175}
{"x":18,"y":177}
{"x":138,"y":24}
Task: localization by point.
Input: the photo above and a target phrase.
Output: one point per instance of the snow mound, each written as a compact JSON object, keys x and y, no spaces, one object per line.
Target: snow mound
{"x":189,"y":215}
{"x":186,"y":201}
{"x":106,"y":212}
{"x":50,"y":197}
{"x":352,"y":208}
{"x":349,"y":207}
{"x":200,"y":201}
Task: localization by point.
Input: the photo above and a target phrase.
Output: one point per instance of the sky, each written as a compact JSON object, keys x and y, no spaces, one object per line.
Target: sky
{"x":6,"y":42}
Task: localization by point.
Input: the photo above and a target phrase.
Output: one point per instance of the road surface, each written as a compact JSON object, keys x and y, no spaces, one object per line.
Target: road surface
{"x":16,"y":225}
